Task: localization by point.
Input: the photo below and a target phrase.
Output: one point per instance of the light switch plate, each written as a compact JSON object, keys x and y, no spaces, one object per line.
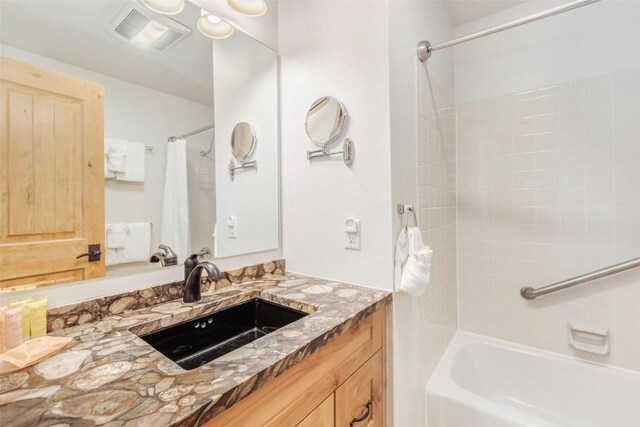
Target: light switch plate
{"x":352,"y":234}
{"x":232,"y":226}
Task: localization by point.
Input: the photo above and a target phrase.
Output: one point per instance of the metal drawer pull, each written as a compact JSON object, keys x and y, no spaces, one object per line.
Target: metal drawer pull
{"x":364,"y":416}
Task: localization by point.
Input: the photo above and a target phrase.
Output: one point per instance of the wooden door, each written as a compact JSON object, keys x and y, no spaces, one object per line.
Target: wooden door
{"x":322,"y":416}
{"x":51,"y":175}
{"x":359,"y":400}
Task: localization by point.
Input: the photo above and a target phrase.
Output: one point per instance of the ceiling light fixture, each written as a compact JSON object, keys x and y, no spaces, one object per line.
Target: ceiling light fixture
{"x":166,"y":7}
{"x":248,"y":7}
{"x":214,"y":27}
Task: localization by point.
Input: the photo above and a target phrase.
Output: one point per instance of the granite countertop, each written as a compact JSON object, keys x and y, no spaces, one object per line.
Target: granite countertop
{"x":109,"y":376}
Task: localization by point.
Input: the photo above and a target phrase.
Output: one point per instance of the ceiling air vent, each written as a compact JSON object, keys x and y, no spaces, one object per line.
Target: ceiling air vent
{"x":144,"y":29}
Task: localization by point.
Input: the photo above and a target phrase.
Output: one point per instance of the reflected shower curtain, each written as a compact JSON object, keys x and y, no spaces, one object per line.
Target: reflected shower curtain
{"x":175,"y":203}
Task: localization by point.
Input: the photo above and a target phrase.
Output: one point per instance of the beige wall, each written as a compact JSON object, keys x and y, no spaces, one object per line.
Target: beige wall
{"x":548,"y":189}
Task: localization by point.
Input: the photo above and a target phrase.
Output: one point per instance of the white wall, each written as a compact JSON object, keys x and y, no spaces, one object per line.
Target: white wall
{"x":337,"y":48}
{"x":547,"y":149}
{"x":417,"y":344}
{"x":246,"y":84}
{"x":601,"y":38}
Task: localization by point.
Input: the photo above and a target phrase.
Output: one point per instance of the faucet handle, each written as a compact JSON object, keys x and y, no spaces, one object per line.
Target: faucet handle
{"x":204,"y":253}
{"x":168,"y":251}
{"x":167,"y":257}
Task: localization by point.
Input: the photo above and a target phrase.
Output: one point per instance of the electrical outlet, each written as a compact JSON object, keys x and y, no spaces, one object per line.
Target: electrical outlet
{"x":352,"y":233}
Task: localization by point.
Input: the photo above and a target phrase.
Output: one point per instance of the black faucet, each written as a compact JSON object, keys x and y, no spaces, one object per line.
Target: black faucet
{"x":192,"y":270}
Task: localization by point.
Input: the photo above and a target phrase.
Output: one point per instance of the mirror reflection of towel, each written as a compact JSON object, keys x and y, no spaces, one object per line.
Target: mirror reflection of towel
{"x":137,"y":246}
{"x":134,"y":170}
{"x":116,"y":235}
{"x":115,"y":152}
{"x":128,"y":242}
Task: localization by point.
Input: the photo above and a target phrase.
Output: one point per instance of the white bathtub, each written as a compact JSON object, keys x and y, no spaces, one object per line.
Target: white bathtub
{"x":484,"y":382}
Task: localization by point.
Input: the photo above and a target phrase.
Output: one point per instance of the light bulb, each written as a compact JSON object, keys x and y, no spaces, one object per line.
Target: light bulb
{"x":166,"y":7}
{"x":214,"y":27}
{"x":248,"y":7}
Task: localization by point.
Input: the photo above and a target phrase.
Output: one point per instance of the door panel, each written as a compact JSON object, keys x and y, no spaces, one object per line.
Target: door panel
{"x":359,"y":400}
{"x":51,"y":175}
{"x":322,"y":416}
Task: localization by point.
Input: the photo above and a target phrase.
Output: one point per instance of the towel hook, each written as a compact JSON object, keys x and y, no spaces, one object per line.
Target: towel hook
{"x":405,"y":210}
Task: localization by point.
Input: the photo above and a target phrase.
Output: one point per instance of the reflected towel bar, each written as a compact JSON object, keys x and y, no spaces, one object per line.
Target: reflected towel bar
{"x":528,"y":292}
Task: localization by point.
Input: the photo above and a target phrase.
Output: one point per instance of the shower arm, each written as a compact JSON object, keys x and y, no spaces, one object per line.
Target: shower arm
{"x":425,"y":48}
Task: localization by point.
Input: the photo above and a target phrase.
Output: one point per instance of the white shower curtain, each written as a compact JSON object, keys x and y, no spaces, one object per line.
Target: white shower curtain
{"x":175,"y":203}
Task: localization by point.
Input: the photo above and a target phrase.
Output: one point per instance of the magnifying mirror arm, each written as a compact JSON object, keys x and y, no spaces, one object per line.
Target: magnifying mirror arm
{"x":347,"y":152}
{"x":243,"y":165}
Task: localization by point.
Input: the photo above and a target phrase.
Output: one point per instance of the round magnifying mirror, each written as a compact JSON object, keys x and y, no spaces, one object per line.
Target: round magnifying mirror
{"x":243,"y":141}
{"x":325,"y":120}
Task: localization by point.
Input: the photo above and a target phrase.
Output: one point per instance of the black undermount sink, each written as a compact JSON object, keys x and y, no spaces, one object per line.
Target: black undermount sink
{"x":198,"y":341}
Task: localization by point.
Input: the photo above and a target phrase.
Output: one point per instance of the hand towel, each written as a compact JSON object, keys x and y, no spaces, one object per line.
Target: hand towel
{"x":107,"y":173}
{"x":116,"y":235}
{"x":112,"y":258}
{"x":115,"y":152}
{"x":137,"y":246}
{"x":400,"y":256}
{"x":134,"y":170}
{"x":174,"y":230}
{"x":416,"y":273}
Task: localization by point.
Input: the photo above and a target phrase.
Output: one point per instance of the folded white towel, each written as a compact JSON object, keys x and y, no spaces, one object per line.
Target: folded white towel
{"x":112,"y":257}
{"x":416,"y":272}
{"x":116,"y":235}
{"x":107,"y":172}
{"x":115,"y":153}
{"x":134,"y":170}
{"x":138,"y":243}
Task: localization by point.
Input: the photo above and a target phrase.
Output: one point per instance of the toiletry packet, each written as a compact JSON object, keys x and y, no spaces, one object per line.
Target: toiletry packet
{"x":32,"y":351}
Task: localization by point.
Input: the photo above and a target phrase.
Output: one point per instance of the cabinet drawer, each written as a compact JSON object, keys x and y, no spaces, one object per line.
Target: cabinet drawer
{"x":359,"y":400}
{"x":322,"y":416}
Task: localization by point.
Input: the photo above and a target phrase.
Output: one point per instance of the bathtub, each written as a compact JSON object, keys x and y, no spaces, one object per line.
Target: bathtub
{"x":484,"y":382}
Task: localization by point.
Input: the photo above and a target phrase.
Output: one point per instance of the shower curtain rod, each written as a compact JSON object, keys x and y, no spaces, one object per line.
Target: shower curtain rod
{"x":193,"y":132}
{"x":425,"y":48}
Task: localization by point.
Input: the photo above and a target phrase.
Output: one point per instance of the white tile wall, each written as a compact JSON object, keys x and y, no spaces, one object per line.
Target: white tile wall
{"x":549,"y":187}
{"x":437,"y":159}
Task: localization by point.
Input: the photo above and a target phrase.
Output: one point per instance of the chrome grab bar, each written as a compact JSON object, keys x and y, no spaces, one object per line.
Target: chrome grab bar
{"x":528,"y":292}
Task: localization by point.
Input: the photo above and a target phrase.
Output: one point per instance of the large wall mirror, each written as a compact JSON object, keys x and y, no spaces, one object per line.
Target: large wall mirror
{"x":116,"y":124}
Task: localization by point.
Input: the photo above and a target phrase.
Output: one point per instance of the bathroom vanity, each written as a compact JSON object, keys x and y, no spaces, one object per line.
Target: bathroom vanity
{"x":343,"y":383}
{"x":325,"y":368}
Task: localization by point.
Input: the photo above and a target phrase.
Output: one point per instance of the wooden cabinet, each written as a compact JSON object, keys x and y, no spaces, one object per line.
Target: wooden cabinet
{"x":323,"y":415}
{"x":331,"y":387}
{"x":358,"y":402}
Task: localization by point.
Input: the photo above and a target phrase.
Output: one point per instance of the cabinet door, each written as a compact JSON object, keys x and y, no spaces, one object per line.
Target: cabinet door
{"x":359,"y":400}
{"x":322,"y":416}
{"x":51,"y":176}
